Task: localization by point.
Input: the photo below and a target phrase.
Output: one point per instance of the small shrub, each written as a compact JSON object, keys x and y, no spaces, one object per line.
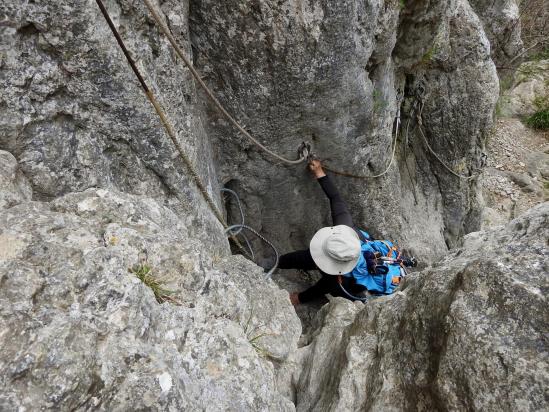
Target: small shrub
{"x":541,"y":55}
{"x":539,"y":120}
{"x":144,"y":273}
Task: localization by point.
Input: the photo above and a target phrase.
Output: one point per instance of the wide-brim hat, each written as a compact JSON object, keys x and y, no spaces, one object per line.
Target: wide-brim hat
{"x":335,"y":249}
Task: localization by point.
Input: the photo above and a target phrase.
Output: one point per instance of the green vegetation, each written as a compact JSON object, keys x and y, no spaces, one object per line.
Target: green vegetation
{"x":379,"y":102}
{"x":542,"y":55}
{"x":253,"y":336}
{"x":144,"y":273}
{"x":529,"y":70}
{"x":539,"y":120}
{"x":428,"y":55}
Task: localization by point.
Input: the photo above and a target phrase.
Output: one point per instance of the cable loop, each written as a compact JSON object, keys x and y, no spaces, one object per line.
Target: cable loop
{"x":271,"y":271}
{"x":239,"y":231}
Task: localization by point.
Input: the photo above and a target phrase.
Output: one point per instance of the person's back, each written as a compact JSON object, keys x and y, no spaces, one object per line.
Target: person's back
{"x":349,"y":260}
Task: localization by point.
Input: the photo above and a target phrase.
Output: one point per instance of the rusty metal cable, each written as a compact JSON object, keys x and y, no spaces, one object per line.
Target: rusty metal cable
{"x":206,"y":89}
{"x":442,"y":162}
{"x":167,"y":125}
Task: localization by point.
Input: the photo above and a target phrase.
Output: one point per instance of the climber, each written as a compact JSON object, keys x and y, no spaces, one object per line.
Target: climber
{"x":346,"y":252}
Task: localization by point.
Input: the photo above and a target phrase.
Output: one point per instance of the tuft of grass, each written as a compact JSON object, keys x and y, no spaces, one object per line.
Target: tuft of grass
{"x":143,"y":272}
{"x":253,"y":335}
{"x":539,"y":120}
{"x":429,"y":55}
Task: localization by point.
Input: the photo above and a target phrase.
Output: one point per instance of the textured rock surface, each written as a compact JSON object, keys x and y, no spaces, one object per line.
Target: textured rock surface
{"x":529,"y":92}
{"x":74,"y":116}
{"x":501,"y":22}
{"x":79,"y":331}
{"x":328,"y":73}
{"x":15,"y":187}
{"x":469,"y":333}
{"x":90,"y":186}
{"x":516,"y":176}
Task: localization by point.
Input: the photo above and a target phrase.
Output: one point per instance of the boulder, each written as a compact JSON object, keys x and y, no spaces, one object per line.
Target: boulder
{"x":529,"y":92}
{"x":81,"y":331}
{"x":468,"y":333}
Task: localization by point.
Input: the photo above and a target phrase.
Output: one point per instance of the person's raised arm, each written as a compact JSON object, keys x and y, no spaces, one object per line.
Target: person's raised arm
{"x":340,"y":211}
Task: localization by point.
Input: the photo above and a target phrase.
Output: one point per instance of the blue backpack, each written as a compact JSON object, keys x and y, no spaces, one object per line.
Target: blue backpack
{"x":379,"y":267}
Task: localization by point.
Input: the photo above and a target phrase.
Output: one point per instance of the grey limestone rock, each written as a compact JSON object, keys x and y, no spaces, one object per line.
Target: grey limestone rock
{"x":15,"y":186}
{"x":91,"y":187}
{"x":529,"y":91}
{"x":329,"y":72}
{"x":81,"y":332}
{"x":501,"y":22}
{"x":74,"y":115}
{"x":469,"y":333}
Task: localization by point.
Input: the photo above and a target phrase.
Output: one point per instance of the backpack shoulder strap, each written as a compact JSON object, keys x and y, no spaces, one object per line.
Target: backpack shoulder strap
{"x":362,"y":236}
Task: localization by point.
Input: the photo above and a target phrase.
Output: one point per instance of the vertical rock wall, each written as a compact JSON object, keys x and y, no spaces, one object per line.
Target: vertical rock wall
{"x":75,"y":117}
{"x":467,"y":334}
{"x":90,"y":188}
{"x":329,"y":73}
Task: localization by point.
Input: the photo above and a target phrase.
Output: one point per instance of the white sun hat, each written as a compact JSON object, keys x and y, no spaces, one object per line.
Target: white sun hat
{"x":335,"y":249}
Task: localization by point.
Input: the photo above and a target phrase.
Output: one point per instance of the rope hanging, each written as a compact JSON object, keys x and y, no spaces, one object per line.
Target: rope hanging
{"x":420,"y":127}
{"x":167,"y":125}
{"x":209,"y":93}
{"x":161,"y":115}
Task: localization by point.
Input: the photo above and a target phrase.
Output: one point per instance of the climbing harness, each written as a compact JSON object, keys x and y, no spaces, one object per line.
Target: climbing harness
{"x":399,"y":98}
{"x":209,"y":93}
{"x":304,"y":151}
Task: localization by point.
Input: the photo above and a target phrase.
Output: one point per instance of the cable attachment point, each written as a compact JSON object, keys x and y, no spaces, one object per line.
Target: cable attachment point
{"x":399,"y":95}
{"x":420,"y":90}
{"x":304,"y":151}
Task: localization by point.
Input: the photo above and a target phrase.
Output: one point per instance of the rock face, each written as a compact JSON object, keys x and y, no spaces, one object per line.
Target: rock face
{"x":92,"y":193}
{"x":328,"y":73}
{"x":80,"y":331}
{"x":501,"y":20}
{"x":529,"y":92}
{"x":516,"y":176}
{"x":74,"y":116}
{"x":470,"y":333}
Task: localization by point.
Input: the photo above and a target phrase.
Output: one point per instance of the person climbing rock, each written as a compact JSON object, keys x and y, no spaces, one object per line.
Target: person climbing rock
{"x":350,"y":260}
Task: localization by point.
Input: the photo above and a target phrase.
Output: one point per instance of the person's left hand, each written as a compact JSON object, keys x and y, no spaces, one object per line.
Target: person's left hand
{"x":316,"y":168}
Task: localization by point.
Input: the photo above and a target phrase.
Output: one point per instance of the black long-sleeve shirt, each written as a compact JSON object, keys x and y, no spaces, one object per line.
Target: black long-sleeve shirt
{"x":338,"y":206}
